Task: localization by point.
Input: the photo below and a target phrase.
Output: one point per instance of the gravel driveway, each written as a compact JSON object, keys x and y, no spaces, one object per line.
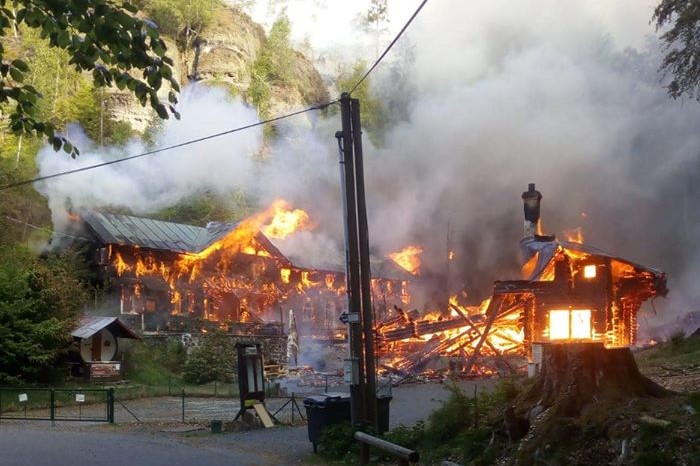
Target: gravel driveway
{"x":160,"y":439}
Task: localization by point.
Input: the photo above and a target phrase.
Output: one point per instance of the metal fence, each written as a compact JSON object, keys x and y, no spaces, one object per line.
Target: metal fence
{"x":57,"y":404}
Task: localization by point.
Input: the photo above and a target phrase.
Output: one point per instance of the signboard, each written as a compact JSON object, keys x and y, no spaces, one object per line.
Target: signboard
{"x":23,"y":397}
{"x":105,"y":370}
{"x":80,"y":397}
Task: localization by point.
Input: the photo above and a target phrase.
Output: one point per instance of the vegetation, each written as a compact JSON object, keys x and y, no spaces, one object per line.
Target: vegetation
{"x":39,"y":301}
{"x":100,"y":37}
{"x":274,"y":64}
{"x":213,"y":360}
{"x":373,"y":113}
{"x":681,"y":44}
{"x":182,"y":19}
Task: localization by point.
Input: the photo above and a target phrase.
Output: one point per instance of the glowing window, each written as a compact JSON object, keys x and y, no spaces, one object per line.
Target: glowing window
{"x":559,"y":325}
{"x":590,"y":271}
{"x":570,"y":325}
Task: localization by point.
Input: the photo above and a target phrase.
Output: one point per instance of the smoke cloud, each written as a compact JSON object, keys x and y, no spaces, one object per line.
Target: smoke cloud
{"x":565,"y":94}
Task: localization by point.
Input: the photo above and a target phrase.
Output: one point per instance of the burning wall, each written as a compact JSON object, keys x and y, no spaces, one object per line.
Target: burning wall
{"x":175,"y":274}
{"x":571,"y":293}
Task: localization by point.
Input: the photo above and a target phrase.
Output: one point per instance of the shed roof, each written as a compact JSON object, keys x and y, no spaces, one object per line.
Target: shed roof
{"x":88,"y":326}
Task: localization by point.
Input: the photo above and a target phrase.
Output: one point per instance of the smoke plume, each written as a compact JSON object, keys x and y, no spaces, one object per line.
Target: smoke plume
{"x":565,"y":94}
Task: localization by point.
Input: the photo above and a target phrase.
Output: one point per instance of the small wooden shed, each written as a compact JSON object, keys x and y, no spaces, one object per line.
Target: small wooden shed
{"x":97,"y":339}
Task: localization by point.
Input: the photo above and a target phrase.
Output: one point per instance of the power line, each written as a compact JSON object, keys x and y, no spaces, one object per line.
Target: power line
{"x":235,"y":130}
{"x":163,"y":149}
{"x":403,"y":29}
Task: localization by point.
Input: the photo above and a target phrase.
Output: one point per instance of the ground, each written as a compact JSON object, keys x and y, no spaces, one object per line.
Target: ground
{"x":162,"y":439}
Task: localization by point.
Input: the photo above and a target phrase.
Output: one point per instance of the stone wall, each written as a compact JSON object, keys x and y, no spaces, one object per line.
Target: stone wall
{"x":274,"y":346}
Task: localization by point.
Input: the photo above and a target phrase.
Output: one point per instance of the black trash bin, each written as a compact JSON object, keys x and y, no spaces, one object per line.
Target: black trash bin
{"x":324,"y":410}
{"x":383,"y":413}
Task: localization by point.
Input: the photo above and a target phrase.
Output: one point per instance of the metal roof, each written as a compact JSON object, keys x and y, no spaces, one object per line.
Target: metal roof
{"x":154,"y":234}
{"x":546,"y":250}
{"x":88,"y":326}
{"x":128,"y":230}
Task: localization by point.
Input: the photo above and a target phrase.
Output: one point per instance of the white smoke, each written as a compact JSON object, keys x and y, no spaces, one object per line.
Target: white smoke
{"x":149,"y":183}
{"x":565,"y":94}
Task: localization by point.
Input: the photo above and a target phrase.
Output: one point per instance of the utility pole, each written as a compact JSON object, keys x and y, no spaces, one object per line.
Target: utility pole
{"x":355,"y":364}
{"x":360,"y":310}
{"x":365,"y":270}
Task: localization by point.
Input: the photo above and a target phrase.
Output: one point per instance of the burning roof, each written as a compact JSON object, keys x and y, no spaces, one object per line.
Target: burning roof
{"x":302,"y":251}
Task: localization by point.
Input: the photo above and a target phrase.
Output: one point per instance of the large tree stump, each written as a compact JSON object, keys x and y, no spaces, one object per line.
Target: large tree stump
{"x":574,"y":374}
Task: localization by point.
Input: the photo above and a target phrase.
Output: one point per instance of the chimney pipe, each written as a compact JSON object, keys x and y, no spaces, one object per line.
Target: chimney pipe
{"x":531,"y":206}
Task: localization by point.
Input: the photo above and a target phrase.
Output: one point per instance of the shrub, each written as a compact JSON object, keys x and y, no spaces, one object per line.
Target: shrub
{"x":336,"y":440}
{"x":452,"y":417}
{"x":211,"y":361}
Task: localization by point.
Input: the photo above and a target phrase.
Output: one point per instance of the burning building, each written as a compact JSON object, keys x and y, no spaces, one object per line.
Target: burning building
{"x":571,"y":292}
{"x":234,"y":276}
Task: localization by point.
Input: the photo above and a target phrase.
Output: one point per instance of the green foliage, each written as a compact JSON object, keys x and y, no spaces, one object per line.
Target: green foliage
{"x":39,"y":301}
{"x":100,"y":37}
{"x":455,"y":415}
{"x":373,"y":113}
{"x":213,"y":360}
{"x":681,"y":45}
{"x":677,"y":340}
{"x":336,"y":441}
{"x":274,"y":64}
{"x":201,"y":208}
{"x":182,"y":19}
{"x":153,"y":364}
{"x":409,"y":437}
{"x":649,"y":451}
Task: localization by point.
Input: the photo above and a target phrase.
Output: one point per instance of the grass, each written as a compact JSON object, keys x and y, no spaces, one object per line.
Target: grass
{"x":679,"y":349}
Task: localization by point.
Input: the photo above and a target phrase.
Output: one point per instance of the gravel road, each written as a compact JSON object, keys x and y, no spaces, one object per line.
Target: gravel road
{"x":161,"y":440}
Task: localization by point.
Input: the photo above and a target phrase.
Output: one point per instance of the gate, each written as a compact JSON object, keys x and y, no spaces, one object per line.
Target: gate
{"x":57,"y":404}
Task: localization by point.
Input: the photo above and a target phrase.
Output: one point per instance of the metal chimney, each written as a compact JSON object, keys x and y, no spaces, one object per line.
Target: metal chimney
{"x":531,"y":206}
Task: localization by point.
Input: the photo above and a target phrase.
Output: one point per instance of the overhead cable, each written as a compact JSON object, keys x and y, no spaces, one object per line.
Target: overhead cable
{"x":405,"y":26}
{"x":163,"y":149}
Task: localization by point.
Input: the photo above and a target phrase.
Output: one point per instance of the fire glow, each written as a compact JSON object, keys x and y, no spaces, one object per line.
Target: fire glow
{"x":408,"y":258}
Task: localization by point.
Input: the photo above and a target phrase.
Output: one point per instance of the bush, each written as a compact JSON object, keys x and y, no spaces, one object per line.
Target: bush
{"x":336,"y":441}
{"x":452,"y":417}
{"x":409,"y":437}
{"x":214,"y":360}
{"x":677,"y":340}
{"x":153,"y":364}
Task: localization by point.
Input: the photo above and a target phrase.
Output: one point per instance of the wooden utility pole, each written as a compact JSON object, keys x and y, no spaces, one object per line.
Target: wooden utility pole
{"x":360,"y":310}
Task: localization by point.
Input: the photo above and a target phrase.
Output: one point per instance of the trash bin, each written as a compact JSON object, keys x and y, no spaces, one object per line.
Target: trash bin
{"x":324,"y":410}
{"x":383,"y":413}
{"x":216,"y":427}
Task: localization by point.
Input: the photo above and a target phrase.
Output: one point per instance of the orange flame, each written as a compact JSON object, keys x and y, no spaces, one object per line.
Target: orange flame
{"x":285,"y":221}
{"x":575,"y":235}
{"x":408,"y":258}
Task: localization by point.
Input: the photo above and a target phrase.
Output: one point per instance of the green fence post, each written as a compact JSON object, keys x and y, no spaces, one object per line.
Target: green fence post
{"x":52,"y":405}
{"x":110,"y":405}
{"x":0,"y":404}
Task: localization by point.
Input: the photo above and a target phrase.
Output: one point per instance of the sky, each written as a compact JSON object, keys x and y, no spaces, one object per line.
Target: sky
{"x":485,"y":97}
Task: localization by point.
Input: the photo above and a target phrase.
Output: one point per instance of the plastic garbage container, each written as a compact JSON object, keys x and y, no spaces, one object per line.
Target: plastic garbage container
{"x":383,"y":413}
{"x":324,"y":410}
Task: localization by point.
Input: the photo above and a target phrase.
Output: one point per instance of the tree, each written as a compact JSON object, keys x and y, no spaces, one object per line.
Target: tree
{"x":39,"y":302}
{"x":101,"y":37}
{"x":682,"y":60}
{"x":183,"y":19}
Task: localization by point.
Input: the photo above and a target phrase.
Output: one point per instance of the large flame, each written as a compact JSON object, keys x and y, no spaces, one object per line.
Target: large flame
{"x":285,"y":221}
{"x":408,"y":258}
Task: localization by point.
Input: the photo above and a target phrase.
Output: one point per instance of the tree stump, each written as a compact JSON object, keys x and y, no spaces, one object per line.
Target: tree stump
{"x":572,"y":377}
{"x":573,"y":374}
